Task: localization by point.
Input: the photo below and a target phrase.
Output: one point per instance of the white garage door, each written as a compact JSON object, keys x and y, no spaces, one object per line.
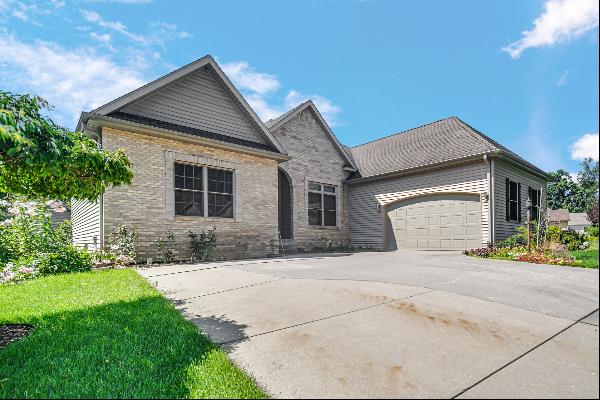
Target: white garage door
{"x":444,"y":221}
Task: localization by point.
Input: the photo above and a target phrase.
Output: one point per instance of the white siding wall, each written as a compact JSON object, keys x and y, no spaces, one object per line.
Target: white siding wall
{"x":85,"y":216}
{"x":366,"y":223}
{"x":197,"y":101}
{"x":503,"y":170}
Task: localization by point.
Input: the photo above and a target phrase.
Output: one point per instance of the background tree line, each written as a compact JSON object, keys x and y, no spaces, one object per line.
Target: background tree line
{"x":576,"y":195}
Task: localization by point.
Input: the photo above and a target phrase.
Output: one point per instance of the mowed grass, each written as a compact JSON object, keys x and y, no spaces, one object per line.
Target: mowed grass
{"x":588,"y":257}
{"x":109,"y":334}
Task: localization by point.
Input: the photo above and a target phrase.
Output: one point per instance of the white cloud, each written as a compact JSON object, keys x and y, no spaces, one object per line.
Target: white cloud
{"x":328,"y":110}
{"x":117,"y":26}
{"x":122,"y":1}
{"x":245,"y":77}
{"x":585,"y":147}
{"x":103,"y":38}
{"x":20,"y":10}
{"x":259,"y":88}
{"x":562,"y":20}
{"x":264,"y":110}
{"x":564,"y":79}
{"x":161,"y":32}
{"x":71,"y":80}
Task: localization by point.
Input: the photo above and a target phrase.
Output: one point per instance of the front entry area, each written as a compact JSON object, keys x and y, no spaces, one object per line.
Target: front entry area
{"x":434,"y":222}
{"x":284,"y":203}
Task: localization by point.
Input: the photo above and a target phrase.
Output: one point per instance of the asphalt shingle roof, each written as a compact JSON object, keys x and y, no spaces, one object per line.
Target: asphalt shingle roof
{"x":444,"y":140}
{"x":559,"y":215}
{"x":579,"y":219}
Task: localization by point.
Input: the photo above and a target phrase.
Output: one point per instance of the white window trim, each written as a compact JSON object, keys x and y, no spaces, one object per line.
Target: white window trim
{"x":338,"y":203}
{"x":172,"y":157}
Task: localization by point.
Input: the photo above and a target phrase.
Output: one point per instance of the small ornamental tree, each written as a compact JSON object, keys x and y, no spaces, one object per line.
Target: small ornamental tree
{"x":39,"y":159}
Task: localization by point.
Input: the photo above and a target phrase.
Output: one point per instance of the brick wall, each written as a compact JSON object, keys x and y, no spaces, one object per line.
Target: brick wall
{"x":314,"y":158}
{"x":145,"y":204}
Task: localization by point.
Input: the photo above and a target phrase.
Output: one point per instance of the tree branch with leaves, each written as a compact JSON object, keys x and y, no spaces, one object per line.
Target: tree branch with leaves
{"x":40,"y":159}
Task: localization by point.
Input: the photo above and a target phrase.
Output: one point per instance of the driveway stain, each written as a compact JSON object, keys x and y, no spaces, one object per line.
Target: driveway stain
{"x":446,"y":320}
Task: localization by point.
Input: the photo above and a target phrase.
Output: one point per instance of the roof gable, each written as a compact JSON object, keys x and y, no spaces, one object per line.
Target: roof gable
{"x":197,"y":96}
{"x":280,"y":121}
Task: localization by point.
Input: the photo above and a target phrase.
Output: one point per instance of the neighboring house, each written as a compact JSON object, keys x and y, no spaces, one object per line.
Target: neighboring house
{"x":578,"y":222}
{"x":58,"y":217}
{"x":560,"y":218}
{"x":202,"y":158}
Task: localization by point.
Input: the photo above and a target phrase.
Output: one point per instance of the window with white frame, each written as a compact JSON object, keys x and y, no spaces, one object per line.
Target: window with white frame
{"x":203,"y":191}
{"x":322,"y":204}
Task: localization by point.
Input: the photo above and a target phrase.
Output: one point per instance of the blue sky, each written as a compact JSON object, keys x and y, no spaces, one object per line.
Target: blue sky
{"x":523,"y":72}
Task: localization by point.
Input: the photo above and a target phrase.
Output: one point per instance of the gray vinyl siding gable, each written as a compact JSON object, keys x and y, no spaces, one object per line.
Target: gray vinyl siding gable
{"x":85,"y":216}
{"x":503,"y":170}
{"x":197,"y":101}
{"x":366,"y":223}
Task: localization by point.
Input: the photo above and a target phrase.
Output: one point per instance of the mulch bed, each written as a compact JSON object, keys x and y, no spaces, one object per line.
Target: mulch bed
{"x":12,"y":332}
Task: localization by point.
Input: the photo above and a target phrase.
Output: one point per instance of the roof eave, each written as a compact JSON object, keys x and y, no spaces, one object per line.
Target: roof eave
{"x":95,"y":120}
{"x":420,"y":168}
{"x":519,"y":163}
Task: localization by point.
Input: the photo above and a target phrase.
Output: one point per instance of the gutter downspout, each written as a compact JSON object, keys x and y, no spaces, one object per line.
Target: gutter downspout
{"x":491,"y":198}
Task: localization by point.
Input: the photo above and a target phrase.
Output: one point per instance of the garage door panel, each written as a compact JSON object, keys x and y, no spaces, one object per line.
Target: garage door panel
{"x":435,"y":231}
{"x":446,"y":232}
{"x":433,"y":220}
{"x":474,"y":219}
{"x":444,"y":221}
{"x":459,"y":231}
{"x":473,"y":231}
{"x":473,"y":207}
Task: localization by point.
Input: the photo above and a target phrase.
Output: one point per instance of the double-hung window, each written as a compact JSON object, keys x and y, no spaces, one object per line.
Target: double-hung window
{"x":513,"y":200}
{"x":203,"y":191}
{"x":535,"y":198}
{"x":322,"y":204}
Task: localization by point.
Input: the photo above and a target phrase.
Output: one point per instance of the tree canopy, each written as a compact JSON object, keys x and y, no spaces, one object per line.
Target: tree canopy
{"x":575,"y":195}
{"x":39,"y":159}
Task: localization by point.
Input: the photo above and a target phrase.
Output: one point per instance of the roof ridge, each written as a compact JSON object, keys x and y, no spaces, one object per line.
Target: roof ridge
{"x":405,"y":131}
{"x":285,"y":114}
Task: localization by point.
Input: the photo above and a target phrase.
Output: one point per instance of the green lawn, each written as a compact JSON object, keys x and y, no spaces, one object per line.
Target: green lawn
{"x":588,"y":257}
{"x":109,"y":334}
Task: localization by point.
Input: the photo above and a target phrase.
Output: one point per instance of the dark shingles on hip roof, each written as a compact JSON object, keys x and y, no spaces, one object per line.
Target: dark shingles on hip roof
{"x":440,"y":141}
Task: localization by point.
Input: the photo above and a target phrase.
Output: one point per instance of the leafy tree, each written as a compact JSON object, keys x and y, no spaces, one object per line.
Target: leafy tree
{"x":593,"y":213}
{"x":574,"y":195}
{"x":588,"y":179}
{"x":39,"y":159}
{"x":564,"y":192}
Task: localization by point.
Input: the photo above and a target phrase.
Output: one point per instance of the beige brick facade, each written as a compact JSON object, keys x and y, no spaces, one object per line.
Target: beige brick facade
{"x":313,"y":158}
{"x":147,"y":203}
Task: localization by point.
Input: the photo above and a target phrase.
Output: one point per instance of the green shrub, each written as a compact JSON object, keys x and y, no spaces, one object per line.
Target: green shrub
{"x":69,"y":259}
{"x":165,"y":246}
{"x":203,"y":245}
{"x":123,"y":241}
{"x":572,"y":239}
{"x":30,"y":246}
{"x":554,"y":233}
{"x":591,"y":232}
{"x":516,"y":240}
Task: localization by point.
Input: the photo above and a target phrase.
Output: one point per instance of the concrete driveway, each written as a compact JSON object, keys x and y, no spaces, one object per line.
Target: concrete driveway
{"x":399,"y":324}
